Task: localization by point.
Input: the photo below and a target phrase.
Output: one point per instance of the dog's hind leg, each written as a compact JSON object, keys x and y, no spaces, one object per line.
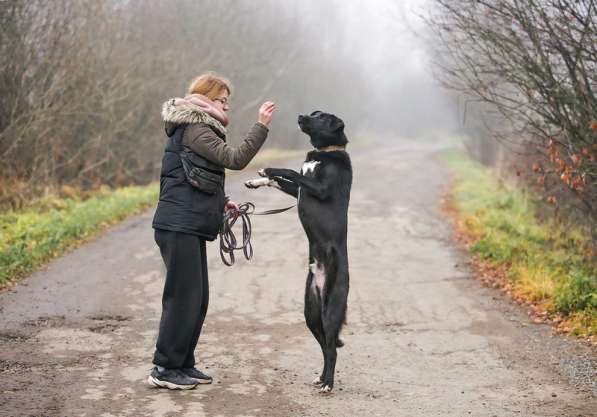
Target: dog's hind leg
{"x":334,"y":311}
{"x":332,"y":321}
{"x":313,"y":320}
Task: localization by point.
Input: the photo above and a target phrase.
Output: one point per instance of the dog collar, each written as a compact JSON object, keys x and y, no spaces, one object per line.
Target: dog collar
{"x":332,"y":148}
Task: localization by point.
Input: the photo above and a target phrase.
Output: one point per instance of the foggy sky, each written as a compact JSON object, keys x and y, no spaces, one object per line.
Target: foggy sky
{"x":385,"y":46}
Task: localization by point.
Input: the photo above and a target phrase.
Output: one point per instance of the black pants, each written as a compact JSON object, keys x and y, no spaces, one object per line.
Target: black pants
{"x":185,"y":298}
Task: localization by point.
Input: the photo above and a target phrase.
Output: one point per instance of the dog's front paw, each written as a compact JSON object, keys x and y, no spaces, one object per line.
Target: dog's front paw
{"x":268,"y":172}
{"x":259,"y":182}
{"x":274,"y":172}
{"x":262,"y":173}
{"x":317,"y":381}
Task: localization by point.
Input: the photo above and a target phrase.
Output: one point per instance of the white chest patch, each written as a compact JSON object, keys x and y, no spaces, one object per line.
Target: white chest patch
{"x":309,"y":167}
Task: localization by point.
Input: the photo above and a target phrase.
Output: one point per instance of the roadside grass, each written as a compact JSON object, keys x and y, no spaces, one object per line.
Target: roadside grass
{"x":50,"y":226}
{"x":546,"y":264}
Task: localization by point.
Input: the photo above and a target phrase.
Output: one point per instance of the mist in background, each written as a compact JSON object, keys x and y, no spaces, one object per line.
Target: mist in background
{"x":82,"y":82}
{"x":366,"y":61}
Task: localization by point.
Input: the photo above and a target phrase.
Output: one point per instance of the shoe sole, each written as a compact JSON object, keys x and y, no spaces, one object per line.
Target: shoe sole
{"x":165,"y":384}
{"x":203,"y":381}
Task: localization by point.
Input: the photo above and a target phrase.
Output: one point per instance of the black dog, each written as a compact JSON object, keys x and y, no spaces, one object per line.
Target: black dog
{"x":322,"y":189}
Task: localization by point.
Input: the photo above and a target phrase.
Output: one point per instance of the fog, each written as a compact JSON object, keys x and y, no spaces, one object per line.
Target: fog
{"x":86,"y":79}
{"x":366,"y":61}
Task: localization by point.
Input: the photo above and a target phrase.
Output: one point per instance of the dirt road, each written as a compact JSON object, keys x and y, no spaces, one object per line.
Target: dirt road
{"x":423,"y":337}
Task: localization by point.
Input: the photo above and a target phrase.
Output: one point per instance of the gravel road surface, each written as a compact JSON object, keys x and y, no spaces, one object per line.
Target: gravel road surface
{"x":423,"y":337}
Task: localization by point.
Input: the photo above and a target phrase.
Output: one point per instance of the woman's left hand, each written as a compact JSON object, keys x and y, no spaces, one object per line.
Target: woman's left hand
{"x":231,"y":205}
{"x":265,"y":112}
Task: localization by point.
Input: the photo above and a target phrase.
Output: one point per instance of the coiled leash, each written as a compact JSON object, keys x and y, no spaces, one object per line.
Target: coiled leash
{"x":228,"y":242}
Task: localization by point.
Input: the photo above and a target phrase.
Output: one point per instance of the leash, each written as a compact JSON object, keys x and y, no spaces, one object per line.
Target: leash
{"x":228,"y":242}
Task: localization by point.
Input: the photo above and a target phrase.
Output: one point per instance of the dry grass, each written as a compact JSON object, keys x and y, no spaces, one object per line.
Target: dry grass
{"x":542,"y":265}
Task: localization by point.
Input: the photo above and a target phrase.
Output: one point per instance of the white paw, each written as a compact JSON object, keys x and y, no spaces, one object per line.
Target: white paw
{"x":259,"y":182}
{"x":261,"y":172}
{"x":325,"y":389}
{"x":316,"y":381}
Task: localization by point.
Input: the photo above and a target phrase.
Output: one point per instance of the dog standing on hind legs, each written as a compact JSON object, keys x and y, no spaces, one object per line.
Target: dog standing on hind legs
{"x":322,"y":190}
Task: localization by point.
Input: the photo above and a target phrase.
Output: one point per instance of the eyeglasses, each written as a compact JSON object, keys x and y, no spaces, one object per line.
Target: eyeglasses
{"x":223,"y":100}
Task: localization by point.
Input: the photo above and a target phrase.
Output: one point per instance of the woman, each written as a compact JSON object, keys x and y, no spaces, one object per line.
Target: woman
{"x":187,"y":217}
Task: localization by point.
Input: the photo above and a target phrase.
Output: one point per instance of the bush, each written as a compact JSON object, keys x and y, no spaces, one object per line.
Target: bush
{"x":578,"y":293}
{"x":547,"y":261}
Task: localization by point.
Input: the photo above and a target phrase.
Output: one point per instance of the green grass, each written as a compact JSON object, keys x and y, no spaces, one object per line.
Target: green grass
{"x":547,"y":262}
{"x":30,"y":237}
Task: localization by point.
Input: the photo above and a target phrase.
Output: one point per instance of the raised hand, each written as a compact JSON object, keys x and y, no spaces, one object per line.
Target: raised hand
{"x":265,"y":112}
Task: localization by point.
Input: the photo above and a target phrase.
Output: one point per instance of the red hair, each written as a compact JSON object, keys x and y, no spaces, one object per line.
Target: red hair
{"x":210,"y":85}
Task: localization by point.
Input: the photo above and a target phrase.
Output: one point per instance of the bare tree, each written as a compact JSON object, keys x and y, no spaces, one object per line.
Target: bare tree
{"x":534,"y":64}
{"x":82,"y":82}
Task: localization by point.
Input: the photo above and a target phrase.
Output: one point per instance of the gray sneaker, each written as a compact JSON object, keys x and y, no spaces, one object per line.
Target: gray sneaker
{"x":197,"y":375}
{"x":171,"y":379}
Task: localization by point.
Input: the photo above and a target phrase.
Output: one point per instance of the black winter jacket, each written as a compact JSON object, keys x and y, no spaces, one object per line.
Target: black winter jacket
{"x":182,"y":207}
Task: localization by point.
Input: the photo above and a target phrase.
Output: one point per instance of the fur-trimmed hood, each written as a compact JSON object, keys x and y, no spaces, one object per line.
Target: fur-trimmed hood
{"x":177,"y":113}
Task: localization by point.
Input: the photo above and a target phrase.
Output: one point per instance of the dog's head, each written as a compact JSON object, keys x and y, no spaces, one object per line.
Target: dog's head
{"x":324,"y":129}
